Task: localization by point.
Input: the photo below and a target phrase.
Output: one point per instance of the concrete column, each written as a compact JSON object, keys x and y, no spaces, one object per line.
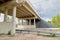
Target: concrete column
{"x":22,"y":21}
{"x":27,"y":22}
{"x":14,"y":20}
{"x":6,"y":16}
{"x":34,"y":23}
{"x":30,"y":22}
{"x":18,"y":21}
{"x":0,"y":14}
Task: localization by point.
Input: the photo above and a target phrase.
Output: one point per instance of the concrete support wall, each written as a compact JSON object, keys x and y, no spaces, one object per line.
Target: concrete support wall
{"x":5,"y":27}
{"x":26,"y":27}
{"x":29,"y":27}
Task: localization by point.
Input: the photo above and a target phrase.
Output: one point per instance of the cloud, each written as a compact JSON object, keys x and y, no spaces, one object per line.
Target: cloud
{"x":47,"y":4}
{"x":47,"y":8}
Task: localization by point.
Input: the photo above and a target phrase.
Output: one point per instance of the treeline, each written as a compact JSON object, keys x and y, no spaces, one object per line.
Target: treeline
{"x":55,"y":21}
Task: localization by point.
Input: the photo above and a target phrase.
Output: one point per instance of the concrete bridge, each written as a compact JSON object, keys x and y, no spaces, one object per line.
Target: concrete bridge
{"x":21,"y":9}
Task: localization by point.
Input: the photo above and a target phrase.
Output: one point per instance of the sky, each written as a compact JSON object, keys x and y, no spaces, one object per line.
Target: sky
{"x":46,"y":8}
{"x":1,"y":17}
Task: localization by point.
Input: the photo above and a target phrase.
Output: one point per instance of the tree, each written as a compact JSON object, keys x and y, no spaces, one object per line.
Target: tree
{"x":56,"y":20}
{"x":49,"y":21}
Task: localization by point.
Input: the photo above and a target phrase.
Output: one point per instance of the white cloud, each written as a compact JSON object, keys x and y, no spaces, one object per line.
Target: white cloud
{"x":47,"y":4}
{"x":47,"y":8}
{"x":43,"y":5}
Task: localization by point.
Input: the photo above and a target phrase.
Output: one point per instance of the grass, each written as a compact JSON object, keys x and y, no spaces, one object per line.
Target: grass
{"x":47,"y":35}
{"x":51,"y":35}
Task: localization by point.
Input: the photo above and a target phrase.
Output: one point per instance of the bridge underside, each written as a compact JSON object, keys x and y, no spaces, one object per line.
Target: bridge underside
{"x":21,"y":9}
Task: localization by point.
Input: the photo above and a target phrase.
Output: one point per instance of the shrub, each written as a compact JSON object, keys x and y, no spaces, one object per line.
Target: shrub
{"x":9,"y":33}
{"x":53,"y":35}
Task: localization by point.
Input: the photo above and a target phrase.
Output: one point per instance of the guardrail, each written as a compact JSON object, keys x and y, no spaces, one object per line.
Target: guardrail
{"x":37,"y":32}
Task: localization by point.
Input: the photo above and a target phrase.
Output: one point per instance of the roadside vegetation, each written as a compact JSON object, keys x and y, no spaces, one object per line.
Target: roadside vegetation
{"x":55,"y":21}
{"x":51,"y":35}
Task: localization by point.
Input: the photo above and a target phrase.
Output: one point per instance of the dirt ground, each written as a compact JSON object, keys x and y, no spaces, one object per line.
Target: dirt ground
{"x":27,"y":37}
